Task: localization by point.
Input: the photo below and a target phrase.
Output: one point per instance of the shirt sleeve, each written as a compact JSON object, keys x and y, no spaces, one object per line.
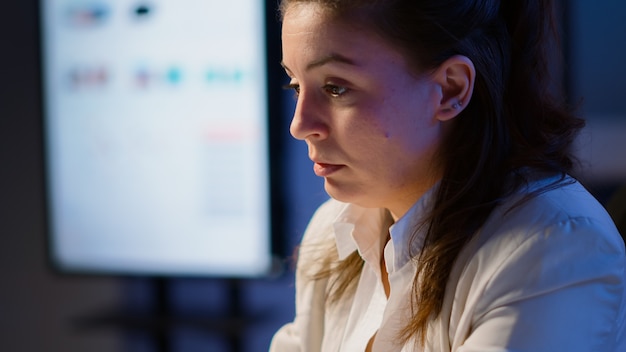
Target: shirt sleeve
{"x":561,"y":289}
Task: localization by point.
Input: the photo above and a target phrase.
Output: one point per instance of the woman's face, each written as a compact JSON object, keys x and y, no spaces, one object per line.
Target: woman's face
{"x":368,"y":119}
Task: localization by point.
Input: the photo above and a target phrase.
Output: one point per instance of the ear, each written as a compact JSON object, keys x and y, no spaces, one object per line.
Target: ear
{"x":455,"y":77}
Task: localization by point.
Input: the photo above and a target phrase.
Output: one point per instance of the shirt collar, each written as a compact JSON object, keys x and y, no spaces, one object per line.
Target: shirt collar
{"x":408,"y":233}
{"x":362,"y":229}
{"x":358,"y":228}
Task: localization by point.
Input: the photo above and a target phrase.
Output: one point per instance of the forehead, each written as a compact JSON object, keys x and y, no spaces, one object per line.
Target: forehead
{"x":309,"y":33}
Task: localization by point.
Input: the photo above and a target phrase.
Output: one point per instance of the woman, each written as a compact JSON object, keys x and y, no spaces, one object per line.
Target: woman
{"x":453,"y":224}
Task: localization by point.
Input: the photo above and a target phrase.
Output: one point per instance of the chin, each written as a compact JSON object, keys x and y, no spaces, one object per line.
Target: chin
{"x":350,"y":194}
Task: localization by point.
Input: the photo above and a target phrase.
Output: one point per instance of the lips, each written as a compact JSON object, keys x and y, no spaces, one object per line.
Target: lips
{"x":324,"y":170}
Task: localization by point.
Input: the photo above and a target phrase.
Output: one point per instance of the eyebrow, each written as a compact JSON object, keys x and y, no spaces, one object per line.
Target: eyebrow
{"x":333,"y":57}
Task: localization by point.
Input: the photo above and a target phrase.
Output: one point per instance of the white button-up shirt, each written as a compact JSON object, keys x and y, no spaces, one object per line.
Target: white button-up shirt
{"x":547,"y":275}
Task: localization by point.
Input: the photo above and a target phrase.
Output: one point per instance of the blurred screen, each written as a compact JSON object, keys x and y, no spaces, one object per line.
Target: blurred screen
{"x":156,"y":136}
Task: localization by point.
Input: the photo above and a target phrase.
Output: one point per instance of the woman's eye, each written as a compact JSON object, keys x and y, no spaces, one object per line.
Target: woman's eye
{"x":331,"y":89}
{"x":335,"y":91}
{"x":293,"y":86}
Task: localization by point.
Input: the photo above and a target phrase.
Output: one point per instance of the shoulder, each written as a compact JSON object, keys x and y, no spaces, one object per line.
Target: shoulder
{"x":557,"y":238}
{"x":567,"y":210}
{"x":556,"y":260}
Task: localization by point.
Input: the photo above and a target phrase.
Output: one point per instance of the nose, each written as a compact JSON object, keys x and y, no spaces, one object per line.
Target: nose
{"x":308,"y":120}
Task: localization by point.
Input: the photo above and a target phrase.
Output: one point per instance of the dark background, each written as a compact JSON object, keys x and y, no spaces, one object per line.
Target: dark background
{"x":41,"y":310}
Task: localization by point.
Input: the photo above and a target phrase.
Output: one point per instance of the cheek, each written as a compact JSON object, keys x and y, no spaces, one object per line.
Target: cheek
{"x":411,"y":120}
{"x":412,"y":137}
{"x":380,"y":119}
{"x":400,"y":123}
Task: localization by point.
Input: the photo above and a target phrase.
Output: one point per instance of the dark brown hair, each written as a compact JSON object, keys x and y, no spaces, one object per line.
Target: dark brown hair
{"x":515,"y":121}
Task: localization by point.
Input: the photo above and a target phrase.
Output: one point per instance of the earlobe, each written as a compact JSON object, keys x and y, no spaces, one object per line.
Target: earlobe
{"x":455,"y":77}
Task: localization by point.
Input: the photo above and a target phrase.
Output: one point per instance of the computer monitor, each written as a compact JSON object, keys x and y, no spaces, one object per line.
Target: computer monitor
{"x":156,"y":131}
